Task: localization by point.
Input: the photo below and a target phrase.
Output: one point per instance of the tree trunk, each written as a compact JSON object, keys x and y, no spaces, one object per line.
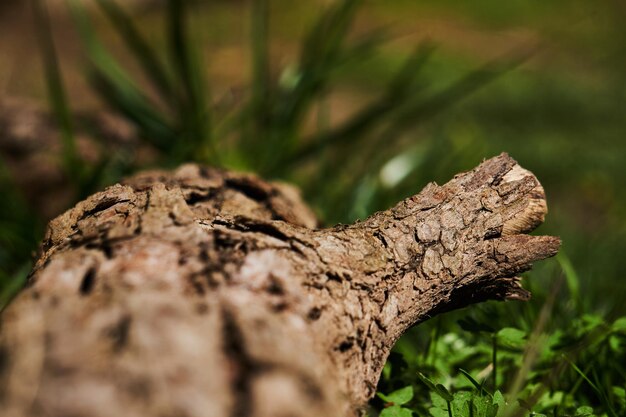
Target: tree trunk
{"x":209,"y":293}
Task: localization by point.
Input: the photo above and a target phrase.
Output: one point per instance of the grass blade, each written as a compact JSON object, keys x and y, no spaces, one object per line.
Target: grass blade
{"x":256,"y":117}
{"x":72,"y":162}
{"x":140,"y":48}
{"x":127,"y":100}
{"x":320,"y":52}
{"x":599,"y":391}
{"x":468,"y":376}
{"x":194,"y":110}
{"x":260,"y":55}
{"x":571,"y":275}
{"x":118,"y":90}
{"x":471,"y":82}
{"x":398,"y":91}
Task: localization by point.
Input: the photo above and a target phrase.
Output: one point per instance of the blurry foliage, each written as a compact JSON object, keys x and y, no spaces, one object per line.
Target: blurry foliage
{"x":265,"y":132}
{"x":554,"y":360}
{"x":19,"y":235}
{"x":563,"y":354}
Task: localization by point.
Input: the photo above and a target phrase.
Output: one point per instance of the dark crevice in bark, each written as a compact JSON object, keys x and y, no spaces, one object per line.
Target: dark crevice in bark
{"x":195,"y":198}
{"x":103,"y":205}
{"x":5,"y":360}
{"x":247,"y":225}
{"x":241,"y":365}
{"x":88,"y":281}
{"x":493,"y":233}
{"x":119,"y":333}
{"x":107,"y":249}
{"x":275,"y":287}
{"x":46,"y":245}
{"x":247,"y":188}
{"x":314,"y":314}
{"x":378,"y":235}
{"x":346,"y":345}
{"x":334,"y":277}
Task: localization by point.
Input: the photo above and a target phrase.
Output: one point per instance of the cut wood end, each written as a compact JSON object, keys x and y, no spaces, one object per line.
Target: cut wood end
{"x":519,"y":189}
{"x":528,"y":220}
{"x":536,"y":207}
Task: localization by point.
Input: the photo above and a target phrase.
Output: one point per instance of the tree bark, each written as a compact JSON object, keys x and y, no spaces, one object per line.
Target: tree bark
{"x":209,"y":293}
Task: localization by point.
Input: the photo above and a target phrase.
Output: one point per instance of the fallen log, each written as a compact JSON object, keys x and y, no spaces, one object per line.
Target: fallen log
{"x":203,"y":292}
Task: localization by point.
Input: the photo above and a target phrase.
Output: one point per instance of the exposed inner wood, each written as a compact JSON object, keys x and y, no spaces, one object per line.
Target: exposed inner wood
{"x":201,"y":292}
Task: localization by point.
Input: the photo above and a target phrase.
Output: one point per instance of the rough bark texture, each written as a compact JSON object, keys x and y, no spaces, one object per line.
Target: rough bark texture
{"x":208,"y":293}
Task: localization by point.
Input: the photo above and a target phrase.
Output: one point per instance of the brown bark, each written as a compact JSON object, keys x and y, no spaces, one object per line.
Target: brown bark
{"x":209,"y":293}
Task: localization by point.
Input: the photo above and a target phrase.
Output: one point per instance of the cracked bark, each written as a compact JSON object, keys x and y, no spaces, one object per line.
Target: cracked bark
{"x":209,"y":293}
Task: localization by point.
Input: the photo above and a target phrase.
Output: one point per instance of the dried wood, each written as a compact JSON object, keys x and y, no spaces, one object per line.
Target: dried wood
{"x":203,"y":292}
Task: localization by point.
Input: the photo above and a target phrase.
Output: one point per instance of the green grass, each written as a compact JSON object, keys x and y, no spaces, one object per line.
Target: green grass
{"x":429,"y":112}
{"x":551,"y":357}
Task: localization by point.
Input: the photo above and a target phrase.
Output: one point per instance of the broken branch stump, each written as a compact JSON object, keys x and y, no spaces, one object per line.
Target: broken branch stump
{"x":209,"y":293}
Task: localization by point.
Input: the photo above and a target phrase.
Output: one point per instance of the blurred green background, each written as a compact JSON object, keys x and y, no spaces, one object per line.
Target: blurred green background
{"x":361,"y":104}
